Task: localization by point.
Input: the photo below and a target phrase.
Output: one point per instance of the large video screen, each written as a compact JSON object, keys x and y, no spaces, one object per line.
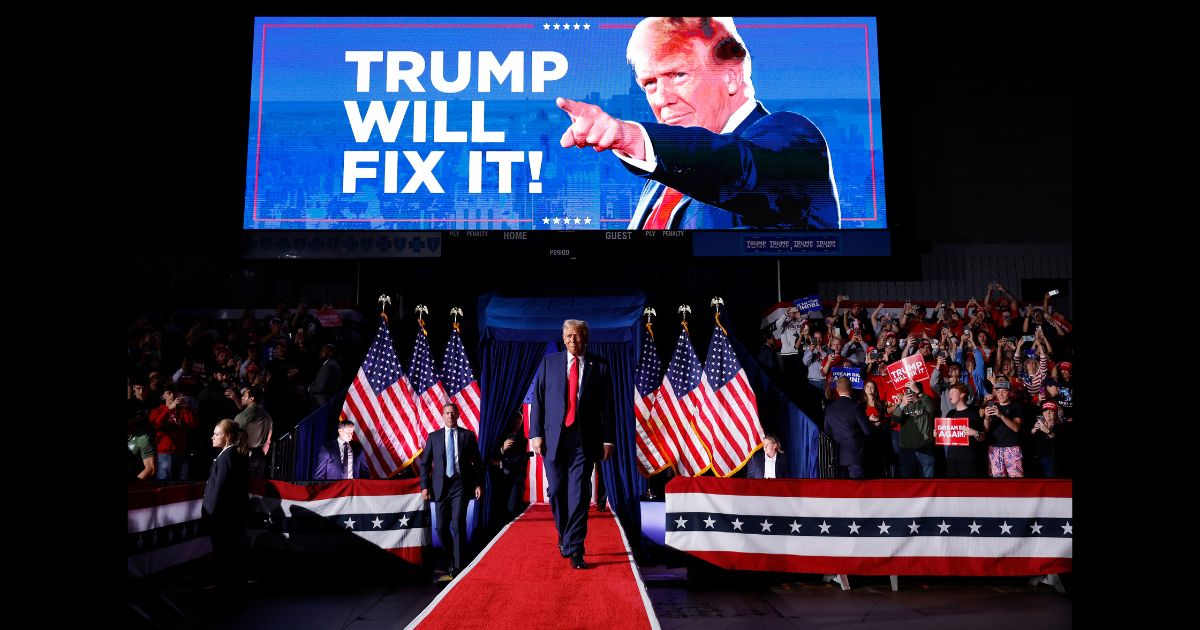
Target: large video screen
{"x":542,"y":124}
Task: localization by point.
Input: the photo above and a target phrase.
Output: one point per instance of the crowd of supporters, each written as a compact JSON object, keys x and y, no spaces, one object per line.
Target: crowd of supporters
{"x":186,"y":374}
{"x":1005,"y":366}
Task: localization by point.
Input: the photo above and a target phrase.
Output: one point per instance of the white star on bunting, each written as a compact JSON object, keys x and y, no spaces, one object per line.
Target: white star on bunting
{"x":737,"y":524}
{"x":378,"y":522}
{"x":679,"y":522}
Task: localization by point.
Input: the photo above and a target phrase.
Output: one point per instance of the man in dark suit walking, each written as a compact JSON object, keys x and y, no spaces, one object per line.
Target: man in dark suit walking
{"x":571,"y":425}
{"x":342,"y":458}
{"x":451,"y":472}
{"x":846,"y":422}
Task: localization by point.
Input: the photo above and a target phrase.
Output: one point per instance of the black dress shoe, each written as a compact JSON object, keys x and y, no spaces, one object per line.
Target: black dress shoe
{"x":577,"y":561}
{"x":602,"y":508}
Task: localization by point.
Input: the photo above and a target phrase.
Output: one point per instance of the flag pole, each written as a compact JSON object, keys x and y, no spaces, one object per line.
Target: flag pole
{"x":384,"y":302}
{"x":716,"y":303}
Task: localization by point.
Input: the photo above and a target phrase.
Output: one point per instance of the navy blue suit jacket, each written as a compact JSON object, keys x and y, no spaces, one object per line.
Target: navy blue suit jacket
{"x":594,"y":412}
{"x":329,"y":462}
{"x":846,"y":422}
{"x":433,"y":463}
{"x":227,"y":493}
{"x":757,"y":466}
{"x":772,"y":172}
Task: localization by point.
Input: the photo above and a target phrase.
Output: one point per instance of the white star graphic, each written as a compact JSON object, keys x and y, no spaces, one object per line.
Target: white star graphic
{"x":404,"y":521}
{"x":556,"y":26}
{"x":737,"y":524}
{"x":974,"y":527}
{"x":577,"y":26}
{"x":913,"y":527}
{"x":766,"y":525}
{"x":378,"y":522}
{"x":884,"y":528}
{"x":546,"y":26}
{"x":1067,"y":529}
{"x":546,"y":220}
{"x":1005,"y":527}
{"x":587,"y":27}
{"x":349,"y":523}
{"x":578,"y":220}
{"x":587,"y":220}
{"x":824,"y":527}
{"x":555,"y":220}
{"x":566,"y":220}
{"x":680,"y":522}
{"x":854,"y":527}
{"x":795,"y":527}
{"x":708,"y":522}
{"x":1035,"y":528}
{"x":943,"y":527}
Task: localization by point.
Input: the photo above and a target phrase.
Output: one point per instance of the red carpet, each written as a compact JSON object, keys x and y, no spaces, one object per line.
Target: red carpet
{"x":519,"y":581}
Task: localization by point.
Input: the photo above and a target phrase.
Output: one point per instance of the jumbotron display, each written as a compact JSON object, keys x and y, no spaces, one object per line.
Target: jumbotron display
{"x":541,"y":124}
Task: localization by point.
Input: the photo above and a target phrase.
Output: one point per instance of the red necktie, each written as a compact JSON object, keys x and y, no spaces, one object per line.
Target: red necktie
{"x":572,"y":392}
{"x":661,"y":216}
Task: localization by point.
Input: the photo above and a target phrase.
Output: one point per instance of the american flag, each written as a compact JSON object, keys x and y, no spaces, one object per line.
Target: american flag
{"x":460,"y":382}
{"x":652,"y":454}
{"x":380,"y":402}
{"x":677,"y":408}
{"x":427,"y":388}
{"x":884,"y":527}
{"x":728,"y":411}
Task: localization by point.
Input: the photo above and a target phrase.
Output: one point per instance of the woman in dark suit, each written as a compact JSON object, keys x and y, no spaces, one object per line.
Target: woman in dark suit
{"x":226,"y":500}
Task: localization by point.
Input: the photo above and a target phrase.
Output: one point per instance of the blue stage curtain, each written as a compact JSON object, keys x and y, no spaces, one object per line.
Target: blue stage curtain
{"x":778,"y":414}
{"x":622,"y":481}
{"x":514,"y":332}
{"x":318,"y":428}
{"x":506,"y":370}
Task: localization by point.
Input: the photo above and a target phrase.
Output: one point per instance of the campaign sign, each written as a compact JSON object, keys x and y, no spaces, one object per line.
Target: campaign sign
{"x":810,"y":303}
{"x":911,"y":368}
{"x":463,"y":123}
{"x":329,"y":319}
{"x":950,"y":432}
{"x":854,"y":374}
